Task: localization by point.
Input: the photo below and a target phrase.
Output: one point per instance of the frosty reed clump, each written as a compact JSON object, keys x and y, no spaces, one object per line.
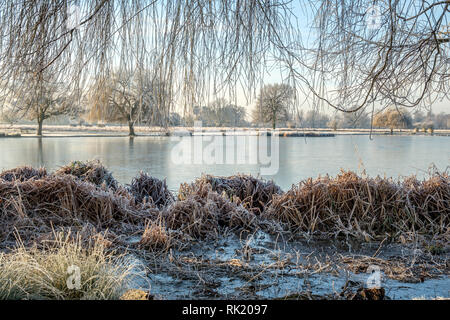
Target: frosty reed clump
{"x":158,"y":238}
{"x":60,"y":199}
{"x":32,"y":208}
{"x":348,"y":205}
{"x":90,"y":171}
{"x":145,"y":188}
{"x":254,"y":194}
{"x":203,"y":212}
{"x":23,"y":174}
{"x":366,"y":208}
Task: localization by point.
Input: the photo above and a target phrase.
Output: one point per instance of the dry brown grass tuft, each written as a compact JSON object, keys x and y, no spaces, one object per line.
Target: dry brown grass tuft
{"x":23,"y":174}
{"x":254,"y":194}
{"x":157,"y":238}
{"x":145,"y":188}
{"x":396,"y":268}
{"x":366,"y":208}
{"x":135,"y":294}
{"x":204,"y":213}
{"x":90,"y":171}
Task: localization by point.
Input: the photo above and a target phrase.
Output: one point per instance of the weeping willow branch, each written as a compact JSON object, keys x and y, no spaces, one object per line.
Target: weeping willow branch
{"x":203,"y":48}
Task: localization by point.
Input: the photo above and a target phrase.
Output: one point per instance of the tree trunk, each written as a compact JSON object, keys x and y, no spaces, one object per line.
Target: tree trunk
{"x":131,"y":128}
{"x":40,"y":122}
{"x":274,"y":120}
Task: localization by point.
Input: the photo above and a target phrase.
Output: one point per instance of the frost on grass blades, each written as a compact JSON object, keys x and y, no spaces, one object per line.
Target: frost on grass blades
{"x":231,"y":147}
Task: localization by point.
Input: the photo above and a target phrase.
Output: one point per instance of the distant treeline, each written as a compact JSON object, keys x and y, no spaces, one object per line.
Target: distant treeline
{"x":140,"y":99}
{"x":224,"y":114}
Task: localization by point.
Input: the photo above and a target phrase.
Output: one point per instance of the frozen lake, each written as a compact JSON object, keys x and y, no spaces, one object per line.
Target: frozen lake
{"x":298,"y":158}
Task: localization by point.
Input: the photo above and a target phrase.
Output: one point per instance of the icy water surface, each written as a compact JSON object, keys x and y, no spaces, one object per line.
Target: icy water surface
{"x":299,"y":158}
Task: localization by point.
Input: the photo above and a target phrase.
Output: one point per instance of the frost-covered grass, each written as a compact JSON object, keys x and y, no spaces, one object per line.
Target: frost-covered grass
{"x":80,"y":216}
{"x":50,"y":272}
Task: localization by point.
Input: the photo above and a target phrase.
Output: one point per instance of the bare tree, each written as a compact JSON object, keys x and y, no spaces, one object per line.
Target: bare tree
{"x":38,"y":99}
{"x":315,"y":119}
{"x":125,"y":97}
{"x":358,"y":119}
{"x":273,"y":104}
{"x":221,"y":113}
{"x":393,"y":118}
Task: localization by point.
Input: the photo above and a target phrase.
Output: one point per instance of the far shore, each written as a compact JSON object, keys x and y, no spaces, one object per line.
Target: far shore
{"x":29,"y":130}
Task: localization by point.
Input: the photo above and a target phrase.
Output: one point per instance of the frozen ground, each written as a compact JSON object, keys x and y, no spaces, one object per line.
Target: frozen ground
{"x":261,"y":267}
